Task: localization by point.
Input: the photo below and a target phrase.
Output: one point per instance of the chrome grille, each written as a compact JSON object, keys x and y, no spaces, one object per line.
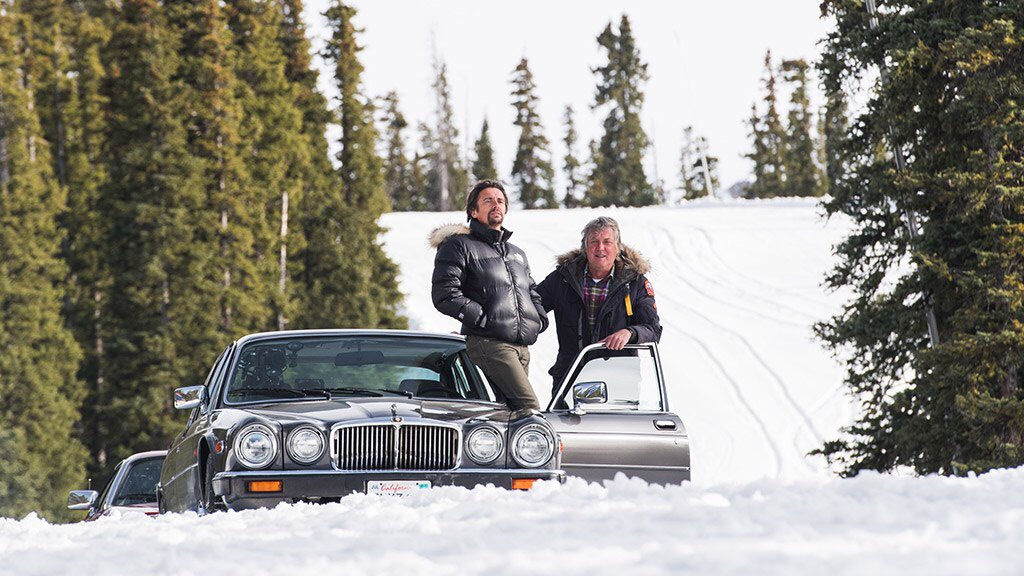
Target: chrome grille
{"x":395,"y":446}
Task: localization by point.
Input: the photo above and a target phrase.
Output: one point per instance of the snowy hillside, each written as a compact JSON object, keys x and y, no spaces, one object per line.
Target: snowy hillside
{"x":738,"y":287}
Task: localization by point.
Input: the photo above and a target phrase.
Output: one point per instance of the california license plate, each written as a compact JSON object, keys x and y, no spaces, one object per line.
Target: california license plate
{"x":395,"y":487}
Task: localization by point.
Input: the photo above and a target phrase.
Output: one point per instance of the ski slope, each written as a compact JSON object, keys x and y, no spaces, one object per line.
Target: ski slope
{"x":738,"y":286}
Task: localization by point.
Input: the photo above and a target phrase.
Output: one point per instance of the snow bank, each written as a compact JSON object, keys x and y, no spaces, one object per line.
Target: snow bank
{"x":872,"y":524}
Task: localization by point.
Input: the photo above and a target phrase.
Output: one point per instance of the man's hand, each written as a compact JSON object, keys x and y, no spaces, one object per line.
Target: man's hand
{"x":618,"y":340}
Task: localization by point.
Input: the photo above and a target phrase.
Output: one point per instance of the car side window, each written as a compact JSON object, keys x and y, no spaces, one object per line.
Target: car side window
{"x":630,"y":376}
{"x":211,"y":378}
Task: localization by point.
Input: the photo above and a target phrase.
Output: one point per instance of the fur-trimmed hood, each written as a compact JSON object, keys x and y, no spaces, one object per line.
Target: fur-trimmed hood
{"x":442,"y":233}
{"x":628,"y":257}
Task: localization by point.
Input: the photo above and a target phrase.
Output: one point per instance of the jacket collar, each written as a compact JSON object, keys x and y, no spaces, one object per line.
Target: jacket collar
{"x":488,"y":235}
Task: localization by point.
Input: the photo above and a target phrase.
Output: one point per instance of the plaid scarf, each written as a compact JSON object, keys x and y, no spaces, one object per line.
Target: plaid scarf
{"x":595,"y":292}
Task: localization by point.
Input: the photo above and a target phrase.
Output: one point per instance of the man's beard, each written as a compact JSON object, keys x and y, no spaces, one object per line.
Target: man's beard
{"x":495,"y":217}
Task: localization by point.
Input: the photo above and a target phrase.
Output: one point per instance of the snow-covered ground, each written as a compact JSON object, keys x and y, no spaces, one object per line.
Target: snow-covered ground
{"x":738,"y":288}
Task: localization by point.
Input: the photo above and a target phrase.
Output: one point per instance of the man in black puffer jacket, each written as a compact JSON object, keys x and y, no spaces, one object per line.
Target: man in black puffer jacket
{"x":599,"y":294}
{"x":484,"y":282}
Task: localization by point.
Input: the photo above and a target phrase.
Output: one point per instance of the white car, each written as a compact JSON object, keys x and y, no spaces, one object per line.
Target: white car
{"x":131,"y":489}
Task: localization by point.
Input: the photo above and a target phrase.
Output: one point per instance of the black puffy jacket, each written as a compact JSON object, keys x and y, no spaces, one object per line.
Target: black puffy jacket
{"x":483,"y":281}
{"x":562,"y":291}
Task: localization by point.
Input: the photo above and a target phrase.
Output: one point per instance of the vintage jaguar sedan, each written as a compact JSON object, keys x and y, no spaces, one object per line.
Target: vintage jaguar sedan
{"x":316,"y":415}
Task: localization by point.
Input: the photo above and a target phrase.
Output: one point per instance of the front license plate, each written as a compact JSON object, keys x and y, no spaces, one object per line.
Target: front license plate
{"x":395,"y":487}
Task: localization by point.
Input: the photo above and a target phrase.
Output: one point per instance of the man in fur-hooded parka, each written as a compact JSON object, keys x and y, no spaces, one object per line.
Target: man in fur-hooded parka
{"x":484,"y":282}
{"x":617,"y":308}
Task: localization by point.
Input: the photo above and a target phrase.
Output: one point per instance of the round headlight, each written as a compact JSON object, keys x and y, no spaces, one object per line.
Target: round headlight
{"x":532,"y":446}
{"x":255,"y":446}
{"x":305,"y":445}
{"x":484,"y":444}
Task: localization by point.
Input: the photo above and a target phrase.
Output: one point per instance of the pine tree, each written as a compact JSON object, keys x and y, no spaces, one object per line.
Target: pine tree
{"x":157,"y":256}
{"x":955,"y":406}
{"x":39,"y":392}
{"x":446,"y":179}
{"x":356,"y":284}
{"x":834,"y":129}
{"x":618,"y":177}
{"x":688,"y":163}
{"x":570,"y":163}
{"x":397,"y":167}
{"x":531,"y":170}
{"x":68,"y":73}
{"x":692,"y":171}
{"x":803,"y":177}
{"x":274,"y":155}
{"x":768,"y":138}
{"x":483,"y":156}
{"x":310,"y":173}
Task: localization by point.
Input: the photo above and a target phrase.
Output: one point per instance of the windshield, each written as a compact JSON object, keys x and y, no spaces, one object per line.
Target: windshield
{"x":139,"y":485}
{"x":352,"y":367}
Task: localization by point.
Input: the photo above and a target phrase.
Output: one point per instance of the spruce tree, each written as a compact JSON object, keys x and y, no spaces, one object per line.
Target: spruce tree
{"x":570,"y":163}
{"x":483,"y":156}
{"x":311,"y":172}
{"x":157,"y":256}
{"x":688,"y":163}
{"x":273,"y":152}
{"x":692,"y":172}
{"x":768,"y":137}
{"x":531,"y":170}
{"x":618,"y":177}
{"x":39,"y":392}
{"x":446,"y":179}
{"x":397,"y":166}
{"x":356,"y":284}
{"x":67,"y":75}
{"x":955,"y":406}
{"x":803,"y":177}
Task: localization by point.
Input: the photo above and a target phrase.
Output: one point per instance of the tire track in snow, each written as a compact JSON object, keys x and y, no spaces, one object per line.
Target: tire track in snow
{"x":709,"y":240}
{"x":737,"y":391}
{"x":682,"y":263}
{"x":779,"y":384}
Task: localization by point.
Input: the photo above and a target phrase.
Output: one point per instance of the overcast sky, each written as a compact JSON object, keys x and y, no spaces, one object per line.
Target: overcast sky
{"x":705,"y":61}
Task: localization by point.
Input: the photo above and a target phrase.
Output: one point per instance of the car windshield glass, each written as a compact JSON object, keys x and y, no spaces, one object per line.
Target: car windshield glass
{"x":351,"y":367}
{"x":139,"y":485}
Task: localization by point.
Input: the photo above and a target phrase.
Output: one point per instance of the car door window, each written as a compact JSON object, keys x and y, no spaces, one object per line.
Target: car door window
{"x":631,"y":377}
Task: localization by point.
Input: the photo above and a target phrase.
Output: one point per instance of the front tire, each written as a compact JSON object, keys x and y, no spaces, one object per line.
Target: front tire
{"x":208,"y":501}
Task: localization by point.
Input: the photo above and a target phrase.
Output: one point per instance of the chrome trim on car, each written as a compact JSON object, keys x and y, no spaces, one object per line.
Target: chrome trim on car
{"x":514,"y":445}
{"x":291,"y":436}
{"x":527,"y":472}
{"x":380,"y":446}
{"x":249,"y":429}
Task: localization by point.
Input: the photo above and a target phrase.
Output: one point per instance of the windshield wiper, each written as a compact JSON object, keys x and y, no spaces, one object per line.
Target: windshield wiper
{"x":268,"y":392}
{"x":354,"y":391}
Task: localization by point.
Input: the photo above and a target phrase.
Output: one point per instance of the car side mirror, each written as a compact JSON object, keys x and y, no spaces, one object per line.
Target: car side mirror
{"x":82,"y":499}
{"x":588,"y":393}
{"x":188,"y":397}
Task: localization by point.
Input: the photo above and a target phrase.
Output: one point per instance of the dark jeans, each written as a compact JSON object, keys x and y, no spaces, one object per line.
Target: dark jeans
{"x":507,"y":367}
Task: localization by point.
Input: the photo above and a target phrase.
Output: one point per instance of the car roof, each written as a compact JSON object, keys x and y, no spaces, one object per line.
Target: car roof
{"x":143,"y":455}
{"x":349,"y":332}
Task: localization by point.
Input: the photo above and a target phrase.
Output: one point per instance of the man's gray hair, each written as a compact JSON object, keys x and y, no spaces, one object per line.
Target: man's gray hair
{"x":598,"y":224}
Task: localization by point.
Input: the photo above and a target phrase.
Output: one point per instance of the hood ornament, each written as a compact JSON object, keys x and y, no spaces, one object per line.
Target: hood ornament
{"x":394,"y":413}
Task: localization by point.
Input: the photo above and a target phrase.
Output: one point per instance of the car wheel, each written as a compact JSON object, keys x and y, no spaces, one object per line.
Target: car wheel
{"x":209,"y":503}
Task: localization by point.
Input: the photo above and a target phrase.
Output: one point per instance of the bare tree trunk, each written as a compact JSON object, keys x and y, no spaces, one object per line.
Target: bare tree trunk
{"x":283,"y":262}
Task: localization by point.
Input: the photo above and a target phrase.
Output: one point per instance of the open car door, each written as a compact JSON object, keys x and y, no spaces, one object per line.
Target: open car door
{"x":612,"y":415}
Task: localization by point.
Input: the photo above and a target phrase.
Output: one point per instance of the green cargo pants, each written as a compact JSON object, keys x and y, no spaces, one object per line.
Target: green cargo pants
{"x":507,"y":366}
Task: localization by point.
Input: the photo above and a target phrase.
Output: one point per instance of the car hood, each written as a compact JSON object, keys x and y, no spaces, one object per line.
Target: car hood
{"x":354,"y":410}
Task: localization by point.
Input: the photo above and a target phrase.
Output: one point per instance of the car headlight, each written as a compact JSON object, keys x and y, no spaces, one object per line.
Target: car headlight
{"x":256,"y":446}
{"x":305,"y":445}
{"x":532,"y":446}
{"x":484,"y":444}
